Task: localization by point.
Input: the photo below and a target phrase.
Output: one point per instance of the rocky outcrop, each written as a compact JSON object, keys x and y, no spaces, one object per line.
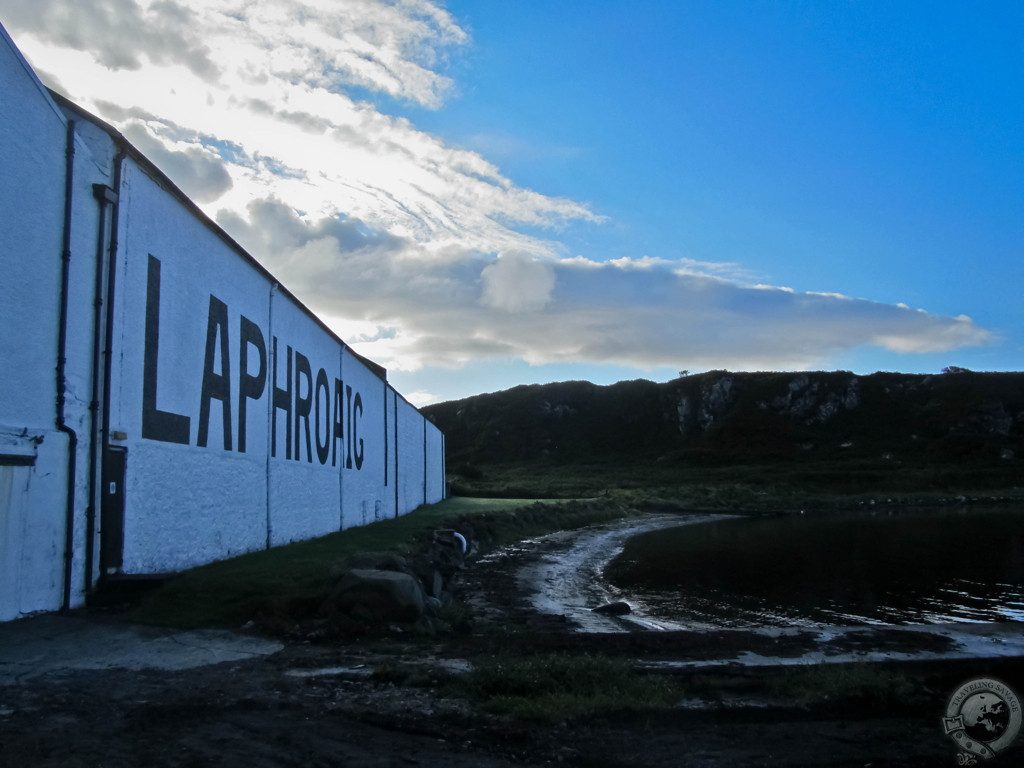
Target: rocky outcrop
{"x":708,"y":408}
{"x":806,"y":400}
{"x":815,"y":402}
{"x":557,"y":411}
{"x":722,"y":415}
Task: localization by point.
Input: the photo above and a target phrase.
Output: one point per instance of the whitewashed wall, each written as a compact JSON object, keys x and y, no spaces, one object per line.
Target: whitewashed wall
{"x":410,"y":456}
{"x":391,"y":437}
{"x":305,"y":494}
{"x":434,"y":457}
{"x":317,"y":436}
{"x":365,"y":492}
{"x":184,"y":504}
{"x":33,"y":497}
{"x":184,"y":295}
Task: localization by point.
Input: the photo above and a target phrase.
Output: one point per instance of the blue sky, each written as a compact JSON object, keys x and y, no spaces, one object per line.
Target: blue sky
{"x":603,"y":190}
{"x":872,"y":149}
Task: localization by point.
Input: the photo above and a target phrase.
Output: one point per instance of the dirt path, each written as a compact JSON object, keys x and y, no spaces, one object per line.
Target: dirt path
{"x":311,"y":704}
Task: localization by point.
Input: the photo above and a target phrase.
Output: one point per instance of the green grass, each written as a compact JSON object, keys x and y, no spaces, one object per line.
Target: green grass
{"x":553,"y":687}
{"x":761,"y":486}
{"x":846,"y":683}
{"x":230,"y":592}
{"x":278,"y":585}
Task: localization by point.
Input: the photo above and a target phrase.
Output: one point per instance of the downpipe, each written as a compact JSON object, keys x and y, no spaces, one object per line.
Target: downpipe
{"x":61,"y":372}
{"x":108,"y":329}
{"x":104,"y":195}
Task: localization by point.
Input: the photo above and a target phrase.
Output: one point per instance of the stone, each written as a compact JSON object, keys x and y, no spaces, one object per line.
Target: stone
{"x":616,"y":608}
{"x":433,"y":605}
{"x":1007,"y":454}
{"x":378,"y":561}
{"x":378,"y":595}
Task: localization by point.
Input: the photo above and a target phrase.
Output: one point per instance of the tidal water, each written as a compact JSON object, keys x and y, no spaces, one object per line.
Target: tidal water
{"x":908,"y":567}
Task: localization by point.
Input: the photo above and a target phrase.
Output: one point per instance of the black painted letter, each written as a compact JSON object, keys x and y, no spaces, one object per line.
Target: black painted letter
{"x":357,"y":411}
{"x":156,"y":424}
{"x":323,"y":450}
{"x":216,"y":386}
{"x":249,"y":387}
{"x":339,"y":406}
{"x":282,"y":402}
{"x":303,"y":405}
{"x":348,"y":410}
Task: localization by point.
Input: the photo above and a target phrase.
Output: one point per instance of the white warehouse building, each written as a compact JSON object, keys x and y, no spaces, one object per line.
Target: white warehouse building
{"x":164,"y":401}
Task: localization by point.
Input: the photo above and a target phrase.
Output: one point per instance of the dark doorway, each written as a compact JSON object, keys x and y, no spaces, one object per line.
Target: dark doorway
{"x":112,"y":511}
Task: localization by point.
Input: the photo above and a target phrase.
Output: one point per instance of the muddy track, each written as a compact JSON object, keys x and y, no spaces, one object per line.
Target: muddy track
{"x":316,"y":704}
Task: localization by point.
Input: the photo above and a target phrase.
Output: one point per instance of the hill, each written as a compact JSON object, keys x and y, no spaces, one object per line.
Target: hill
{"x":956,"y":427}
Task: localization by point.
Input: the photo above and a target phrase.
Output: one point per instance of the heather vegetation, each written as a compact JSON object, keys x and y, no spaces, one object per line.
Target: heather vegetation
{"x":737,"y":438}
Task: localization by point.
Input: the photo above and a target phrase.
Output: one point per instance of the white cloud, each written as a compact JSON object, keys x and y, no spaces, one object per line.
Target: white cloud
{"x":420,"y":398}
{"x":473,"y":306}
{"x":120,"y":34}
{"x":197,"y":169}
{"x":517,"y":283}
{"x":264,"y":112}
{"x":271,"y":88}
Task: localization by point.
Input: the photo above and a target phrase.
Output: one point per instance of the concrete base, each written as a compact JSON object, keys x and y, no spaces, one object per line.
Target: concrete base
{"x":50,"y":645}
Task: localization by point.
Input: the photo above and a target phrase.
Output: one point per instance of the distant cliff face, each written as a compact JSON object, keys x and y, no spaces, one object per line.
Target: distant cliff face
{"x":960,"y":416}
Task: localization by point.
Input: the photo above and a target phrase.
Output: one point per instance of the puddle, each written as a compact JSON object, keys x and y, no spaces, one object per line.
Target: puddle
{"x":568,"y":581}
{"x":924,"y":566}
{"x":358,"y":672}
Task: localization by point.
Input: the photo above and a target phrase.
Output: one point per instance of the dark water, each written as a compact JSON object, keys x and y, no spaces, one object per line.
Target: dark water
{"x":920,"y":567}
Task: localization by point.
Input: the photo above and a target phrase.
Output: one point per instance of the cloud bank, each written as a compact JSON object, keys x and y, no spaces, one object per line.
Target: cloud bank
{"x":638,"y":312}
{"x":274,"y":116}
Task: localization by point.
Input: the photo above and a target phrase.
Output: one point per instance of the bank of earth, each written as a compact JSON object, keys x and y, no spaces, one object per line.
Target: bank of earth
{"x":489,"y":681}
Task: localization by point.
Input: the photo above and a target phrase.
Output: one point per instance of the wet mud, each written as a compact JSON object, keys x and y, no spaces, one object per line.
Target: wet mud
{"x":341,"y":703}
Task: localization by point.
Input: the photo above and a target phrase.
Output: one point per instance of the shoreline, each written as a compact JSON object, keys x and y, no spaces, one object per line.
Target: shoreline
{"x":742,"y":697}
{"x":569,"y":581}
{"x":560,"y":576}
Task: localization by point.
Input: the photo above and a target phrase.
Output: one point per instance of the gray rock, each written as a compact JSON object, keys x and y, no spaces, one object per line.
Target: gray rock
{"x":378,"y":561}
{"x":378,"y":595}
{"x":714,"y":401}
{"x":798,"y":383}
{"x":433,"y":605}
{"x":684,"y":415}
{"x":852,"y":397}
{"x":616,"y":608}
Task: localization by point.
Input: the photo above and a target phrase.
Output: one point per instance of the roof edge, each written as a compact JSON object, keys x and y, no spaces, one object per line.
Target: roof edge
{"x":164,"y":180}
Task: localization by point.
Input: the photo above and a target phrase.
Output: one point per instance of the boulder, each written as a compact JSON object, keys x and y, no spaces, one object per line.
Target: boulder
{"x":379,"y":561}
{"x":433,"y":605}
{"x":378,"y":595}
{"x":617,"y":608}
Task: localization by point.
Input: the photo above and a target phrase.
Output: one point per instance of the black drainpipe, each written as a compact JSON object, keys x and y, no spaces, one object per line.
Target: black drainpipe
{"x":62,"y":339}
{"x":103,"y":195}
{"x":108,"y":354}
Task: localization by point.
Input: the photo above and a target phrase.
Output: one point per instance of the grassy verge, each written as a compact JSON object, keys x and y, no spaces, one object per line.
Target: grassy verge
{"x":553,"y":687}
{"x":868,"y":684}
{"x":746,"y":486}
{"x":292,"y":580}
